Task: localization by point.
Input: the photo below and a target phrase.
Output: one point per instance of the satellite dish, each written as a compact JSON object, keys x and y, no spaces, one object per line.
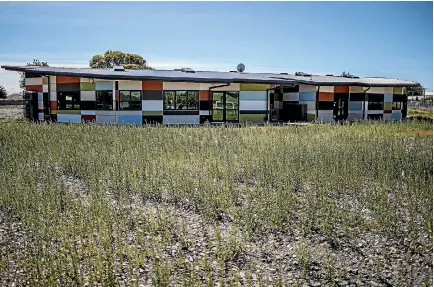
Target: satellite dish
{"x":241,"y":67}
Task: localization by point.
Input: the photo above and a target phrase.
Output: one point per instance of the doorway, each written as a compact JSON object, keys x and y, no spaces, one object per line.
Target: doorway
{"x":225,"y":107}
{"x":340,"y":107}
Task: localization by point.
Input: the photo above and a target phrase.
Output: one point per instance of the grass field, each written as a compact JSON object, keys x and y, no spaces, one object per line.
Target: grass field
{"x":420,"y":113}
{"x":100,"y":205}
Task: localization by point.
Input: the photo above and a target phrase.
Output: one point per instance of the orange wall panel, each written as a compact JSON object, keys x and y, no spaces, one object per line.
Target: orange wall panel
{"x":152,"y":85}
{"x":34,"y":88}
{"x":204,"y":95}
{"x":326,"y":97}
{"x":342,"y":89}
{"x":53,"y":105}
{"x":67,"y":80}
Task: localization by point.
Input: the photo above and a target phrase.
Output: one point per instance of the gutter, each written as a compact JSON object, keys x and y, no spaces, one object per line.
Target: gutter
{"x":364,"y":101}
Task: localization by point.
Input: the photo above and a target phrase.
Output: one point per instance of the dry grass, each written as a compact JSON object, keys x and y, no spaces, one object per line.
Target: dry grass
{"x":126,"y":205}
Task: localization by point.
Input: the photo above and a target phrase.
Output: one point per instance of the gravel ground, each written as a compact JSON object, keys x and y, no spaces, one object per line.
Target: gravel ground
{"x":365,"y":259}
{"x":8,"y":112}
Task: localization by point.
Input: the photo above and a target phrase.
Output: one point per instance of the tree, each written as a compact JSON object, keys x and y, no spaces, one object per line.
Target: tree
{"x":118,"y":58}
{"x":3,"y":94}
{"x":414,"y":91}
{"x":36,"y":62}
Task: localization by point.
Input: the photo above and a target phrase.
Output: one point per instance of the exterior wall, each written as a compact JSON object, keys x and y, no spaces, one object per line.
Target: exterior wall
{"x":253,"y":101}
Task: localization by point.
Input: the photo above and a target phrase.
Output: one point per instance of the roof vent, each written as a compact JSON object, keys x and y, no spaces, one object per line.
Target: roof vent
{"x":350,"y":76}
{"x":284,"y":73}
{"x":233,"y":71}
{"x":302,"y":74}
{"x":118,"y":68}
{"x":179,"y":70}
{"x":329,"y":75}
{"x":188,"y":70}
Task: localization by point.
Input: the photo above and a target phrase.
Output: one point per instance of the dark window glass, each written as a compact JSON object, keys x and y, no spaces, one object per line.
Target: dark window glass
{"x":325,"y":105}
{"x":130,"y":100}
{"x":181,"y":100}
{"x":68,"y":100}
{"x":104,"y":100}
{"x":375,"y":105}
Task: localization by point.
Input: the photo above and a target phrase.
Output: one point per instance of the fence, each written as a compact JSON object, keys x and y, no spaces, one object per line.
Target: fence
{"x":419,"y":105}
{"x":11,"y":102}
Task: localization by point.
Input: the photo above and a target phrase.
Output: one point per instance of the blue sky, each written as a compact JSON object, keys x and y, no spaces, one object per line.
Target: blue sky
{"x":388,"y":39}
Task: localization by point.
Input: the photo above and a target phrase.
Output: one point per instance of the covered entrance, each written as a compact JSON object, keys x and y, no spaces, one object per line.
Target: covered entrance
{"x":225,"y":107}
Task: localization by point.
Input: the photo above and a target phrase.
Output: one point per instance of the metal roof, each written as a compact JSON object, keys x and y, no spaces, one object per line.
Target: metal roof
{"x":213,"y":77}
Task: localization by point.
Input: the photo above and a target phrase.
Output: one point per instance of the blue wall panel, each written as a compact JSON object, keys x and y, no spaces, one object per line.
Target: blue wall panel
{"x":307,"y":96}
{"x":130,"y":119}
{"x":388,"y":97}
{"x":353,"y":105}
{"x":104,"y":86}
{"x":253,"y":95}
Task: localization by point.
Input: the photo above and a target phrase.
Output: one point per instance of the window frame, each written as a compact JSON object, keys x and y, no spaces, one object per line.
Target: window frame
{"x":103,"y":103}
{"x":175,"y":99}
{"x":130,"y":101}
{"x":375,"y":105}
{"x":397,"y":103}
{"x":74,"y":100}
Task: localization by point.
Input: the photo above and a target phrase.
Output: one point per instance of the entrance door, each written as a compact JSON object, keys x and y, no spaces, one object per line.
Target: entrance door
{"x":225,"y":107}
{"x":31,"y":106}
{"x":46,"y":106}
{"x":340,"y":108}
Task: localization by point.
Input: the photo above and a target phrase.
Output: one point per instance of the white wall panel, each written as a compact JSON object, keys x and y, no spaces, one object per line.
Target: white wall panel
{"x":53,"y":87}
{"x":307,"y":88}
{"x":180,"y":86}
{"x":152,"y":105}
{"x":311,"y":105}
{"x":41,"y":116}
{"x":327,"y":89}
{"x":33,"y":81}
{"x":325,"y":116}
{"x":387,"y":117}
{"x":45,"y":88}
{"x":88,"y":96}
{"x":130,"y":85}
{"x":388,"y":90}
{"x":374,"y":112}
{"x":52,"y":80}
{"x":53,"y":96}
{"x":204,"y":113}
{"x":253,"y":105}
{"x":105,"y":119}
{"x":290,"y":97}
{"x":375,"y":90}
{"x":40,"y":105}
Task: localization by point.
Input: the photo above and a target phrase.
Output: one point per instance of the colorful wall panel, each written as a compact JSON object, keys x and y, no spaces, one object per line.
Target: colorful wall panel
{"x":67,"y":118}
{"x":181,"y":119}
{"x":253,"y":105}
{"x":130,"y":85}
{"x":129,"y":117}
{"x":254,"y":87}
{"x":181,"y":86}
{"x":104,"y":86}
{"x":325,"y":116}
{"x":252,"y":118}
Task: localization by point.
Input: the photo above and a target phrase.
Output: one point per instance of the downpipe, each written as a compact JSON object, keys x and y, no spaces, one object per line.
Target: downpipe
{"x":364,"y":101}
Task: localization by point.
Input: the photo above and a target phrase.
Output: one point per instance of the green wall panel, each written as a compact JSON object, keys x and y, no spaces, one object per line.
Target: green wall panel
{"x":387,"y":106}
{"x":253,"y":118}
{"x":310,"y":117}
{"x":152,"y":113}
{"x":87,"y":86}
{"x":44,"y":80}
{"x":67,"y":112}
{"x":254,"y":87}
{"x":397,"y":90}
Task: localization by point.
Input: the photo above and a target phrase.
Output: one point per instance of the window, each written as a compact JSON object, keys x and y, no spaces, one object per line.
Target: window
{"x":374,"y":105}
{"x":130,"y":100}
{"x":68,"y":100}
{"x":397,"y":106}
{"x":104,"y":100}
{"x":181,"y":100}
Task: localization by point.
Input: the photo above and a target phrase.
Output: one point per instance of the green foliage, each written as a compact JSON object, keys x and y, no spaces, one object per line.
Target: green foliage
{"x":3,"y":93}
{"x":101,"y":201}
{"x":414,"y":91}
{"x":35,"y":62}
{"x":117,"y":58}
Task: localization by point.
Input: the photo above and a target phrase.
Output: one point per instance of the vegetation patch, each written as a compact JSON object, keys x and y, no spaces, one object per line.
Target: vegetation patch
{"x":91,"y":204}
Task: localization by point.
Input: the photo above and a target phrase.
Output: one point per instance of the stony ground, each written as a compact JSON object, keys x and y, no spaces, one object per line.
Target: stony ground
{"x":364,"y":259}
{"x":8,"y":112}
